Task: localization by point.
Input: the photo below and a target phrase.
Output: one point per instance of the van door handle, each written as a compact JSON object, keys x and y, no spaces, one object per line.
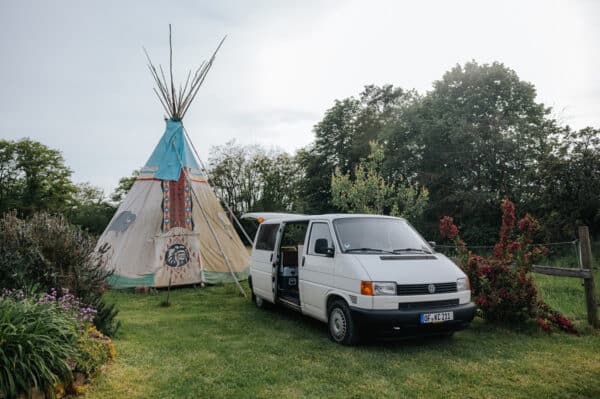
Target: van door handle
{"x":303,"y":259}
{"x":271,"y":257}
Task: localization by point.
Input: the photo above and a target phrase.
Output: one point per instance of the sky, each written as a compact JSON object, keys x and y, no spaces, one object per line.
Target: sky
{"x":73,"y":74}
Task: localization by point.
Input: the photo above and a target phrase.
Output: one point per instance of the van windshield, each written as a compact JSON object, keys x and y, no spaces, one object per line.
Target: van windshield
{"x":378,"y":235}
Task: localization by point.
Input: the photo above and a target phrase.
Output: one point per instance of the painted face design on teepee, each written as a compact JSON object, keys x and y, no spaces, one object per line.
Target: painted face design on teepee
{"x":177,"y":255}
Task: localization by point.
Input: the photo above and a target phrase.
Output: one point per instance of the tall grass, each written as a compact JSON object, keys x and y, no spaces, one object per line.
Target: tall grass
{"x":36,"y":342}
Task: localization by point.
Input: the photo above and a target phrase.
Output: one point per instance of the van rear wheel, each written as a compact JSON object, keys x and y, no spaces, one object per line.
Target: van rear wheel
{"x":342,"y":328}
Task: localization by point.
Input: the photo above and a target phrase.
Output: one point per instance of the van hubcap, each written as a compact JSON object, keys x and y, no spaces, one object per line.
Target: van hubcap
{"x":337,"y":323}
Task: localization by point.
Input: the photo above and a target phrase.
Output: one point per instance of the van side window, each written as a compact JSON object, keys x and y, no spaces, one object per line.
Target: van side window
{"x":317,"y":231}
{"x":266,"y":237}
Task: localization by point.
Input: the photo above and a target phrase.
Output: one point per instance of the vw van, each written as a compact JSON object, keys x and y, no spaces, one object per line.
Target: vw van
{"x":359,"y":274}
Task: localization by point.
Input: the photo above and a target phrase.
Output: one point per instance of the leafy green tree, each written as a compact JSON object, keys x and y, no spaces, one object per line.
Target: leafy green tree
{"x":370,"y":192}
{"x":249,"y":178}
{"x":125,"y":184}
{"x":566,"y":185}
{"x":33,"y":177}
{"x":342,"y":139}
{"x":280,"y":176}
{"x":92,"y":212}
{"x":472,"y":141}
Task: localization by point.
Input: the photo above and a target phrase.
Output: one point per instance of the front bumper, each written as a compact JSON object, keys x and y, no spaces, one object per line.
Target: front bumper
{"x":407,"y":322}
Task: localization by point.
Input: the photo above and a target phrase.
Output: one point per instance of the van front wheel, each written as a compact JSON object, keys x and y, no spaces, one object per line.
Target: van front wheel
{"x":260,"y":303}
{"x":342,"y":328}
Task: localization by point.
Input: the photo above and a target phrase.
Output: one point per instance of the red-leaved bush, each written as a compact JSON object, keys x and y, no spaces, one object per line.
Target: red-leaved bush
{"x":501,"y":284}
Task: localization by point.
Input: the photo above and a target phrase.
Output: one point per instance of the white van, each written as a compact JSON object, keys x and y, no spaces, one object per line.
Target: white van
{"x":358,"y":273}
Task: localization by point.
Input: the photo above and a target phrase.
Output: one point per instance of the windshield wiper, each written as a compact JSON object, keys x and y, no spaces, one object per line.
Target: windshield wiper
{"x":395,"y":251}
{"x":368,"y":249}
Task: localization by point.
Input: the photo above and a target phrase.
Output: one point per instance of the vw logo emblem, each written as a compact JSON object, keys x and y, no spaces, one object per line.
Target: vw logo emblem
{"x":431,"y":288}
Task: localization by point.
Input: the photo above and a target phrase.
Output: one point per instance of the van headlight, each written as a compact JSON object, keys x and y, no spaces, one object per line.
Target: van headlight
{"x":463,"y":284}
{"x":384,"y":288}
{"x":377,"y":288}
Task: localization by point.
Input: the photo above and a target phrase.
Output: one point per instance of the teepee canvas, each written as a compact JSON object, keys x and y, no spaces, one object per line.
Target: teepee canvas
{"x":171,"y":228}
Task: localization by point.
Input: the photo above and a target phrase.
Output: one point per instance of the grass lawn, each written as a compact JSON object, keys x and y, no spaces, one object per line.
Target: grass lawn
{"x":213,"y":343}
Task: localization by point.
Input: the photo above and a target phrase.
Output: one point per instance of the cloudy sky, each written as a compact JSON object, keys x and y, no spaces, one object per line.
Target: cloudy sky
{"x":72,"y":73}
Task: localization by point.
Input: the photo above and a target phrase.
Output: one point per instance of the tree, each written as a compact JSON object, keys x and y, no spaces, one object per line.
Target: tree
{"x":33,"y":177}
{"x":566,"y":185}
{"x":92,"y":212}
{"x":125,"y":184}
{"x":249,"y":178}
{"x":370,"y":192}
{"x":471,"y":141}
{"x":342,"y":140}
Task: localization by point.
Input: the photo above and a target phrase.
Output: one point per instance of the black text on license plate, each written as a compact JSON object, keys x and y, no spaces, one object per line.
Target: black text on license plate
{"x":436,"y":317}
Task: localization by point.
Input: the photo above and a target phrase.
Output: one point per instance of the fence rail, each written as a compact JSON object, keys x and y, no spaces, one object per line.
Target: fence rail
{"x":584,"y":271}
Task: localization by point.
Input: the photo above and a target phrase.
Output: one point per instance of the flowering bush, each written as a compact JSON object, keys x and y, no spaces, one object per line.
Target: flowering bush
{"x":48,"y":343}
{"x":501,"y":284}
{"x":62,"y":299}
{"x":68,"y":302}
{"x":46,"y":251}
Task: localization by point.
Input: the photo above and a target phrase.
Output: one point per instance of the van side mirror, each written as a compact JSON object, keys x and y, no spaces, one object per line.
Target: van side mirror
{"x":432,"y":244}
{"x":322,"y":247}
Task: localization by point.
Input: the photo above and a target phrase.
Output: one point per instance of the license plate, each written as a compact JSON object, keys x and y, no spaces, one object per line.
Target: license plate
{"x":436,"y":317}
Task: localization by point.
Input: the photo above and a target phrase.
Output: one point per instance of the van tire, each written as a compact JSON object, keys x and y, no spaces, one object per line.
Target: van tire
{"x":260,"y":302}
{"x":342,"y":327}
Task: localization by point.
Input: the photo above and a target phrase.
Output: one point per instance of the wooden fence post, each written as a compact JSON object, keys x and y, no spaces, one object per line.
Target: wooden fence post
{"x":590,"y":291}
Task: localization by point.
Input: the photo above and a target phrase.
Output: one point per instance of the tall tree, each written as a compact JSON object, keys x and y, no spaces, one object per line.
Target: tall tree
{"x":249,"y":178}
{"x":471,"y":141}
{"x":33,"y":177}
{"x":566,"y":185}
{"x":342,"y":138}
{"x":91,"y":210}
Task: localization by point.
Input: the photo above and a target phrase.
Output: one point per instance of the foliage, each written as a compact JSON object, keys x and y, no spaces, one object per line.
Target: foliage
{"x":94,"y":350}
{"x":472,"y":140}
{"x":47,"y":252}
{"x":33,"y":177}
{"x":566,"y":185}
{"x":105,"y":319}
{"x":45,"y":339}
{"x":70,"y":304}
{"x":91,"y":211}
{"x":37,"y":341}
{"x":370,"y":192}
{"x":249,"y":178}
{"x":342,"y":139}
{"x":125,"y":184}
{"x":50,"y":252}
{"x":502,"y":285}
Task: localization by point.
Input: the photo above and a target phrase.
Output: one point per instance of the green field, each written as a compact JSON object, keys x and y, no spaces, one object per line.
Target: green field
{"x":213,"y":343}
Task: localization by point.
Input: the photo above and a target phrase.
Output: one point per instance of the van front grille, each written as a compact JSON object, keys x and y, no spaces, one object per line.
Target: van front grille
{"x":423,"y":289}
{"x":428,"y":305}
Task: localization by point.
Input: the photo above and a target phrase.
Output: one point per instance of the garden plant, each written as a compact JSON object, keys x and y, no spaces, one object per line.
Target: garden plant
{"x":502,"y":285}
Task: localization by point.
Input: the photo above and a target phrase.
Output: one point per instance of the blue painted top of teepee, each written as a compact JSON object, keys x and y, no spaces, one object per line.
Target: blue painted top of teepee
{"x":172,"y":147}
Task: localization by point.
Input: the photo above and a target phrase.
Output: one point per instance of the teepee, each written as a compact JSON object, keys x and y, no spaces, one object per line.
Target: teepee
{"x":171,"y":229}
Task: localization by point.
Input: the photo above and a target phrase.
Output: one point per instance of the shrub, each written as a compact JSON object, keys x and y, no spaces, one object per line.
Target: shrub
{"x":503,"y":289}
{"x":50,"y":252}
{"x":94,"y":351}
{"x":46,"y":251}
{"x":37,"y":342}
{"x":46,"y":341}
{"x":105,"y":318}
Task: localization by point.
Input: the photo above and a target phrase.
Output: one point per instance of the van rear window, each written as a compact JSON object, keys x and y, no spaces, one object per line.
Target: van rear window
{"x":266,"y":237}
